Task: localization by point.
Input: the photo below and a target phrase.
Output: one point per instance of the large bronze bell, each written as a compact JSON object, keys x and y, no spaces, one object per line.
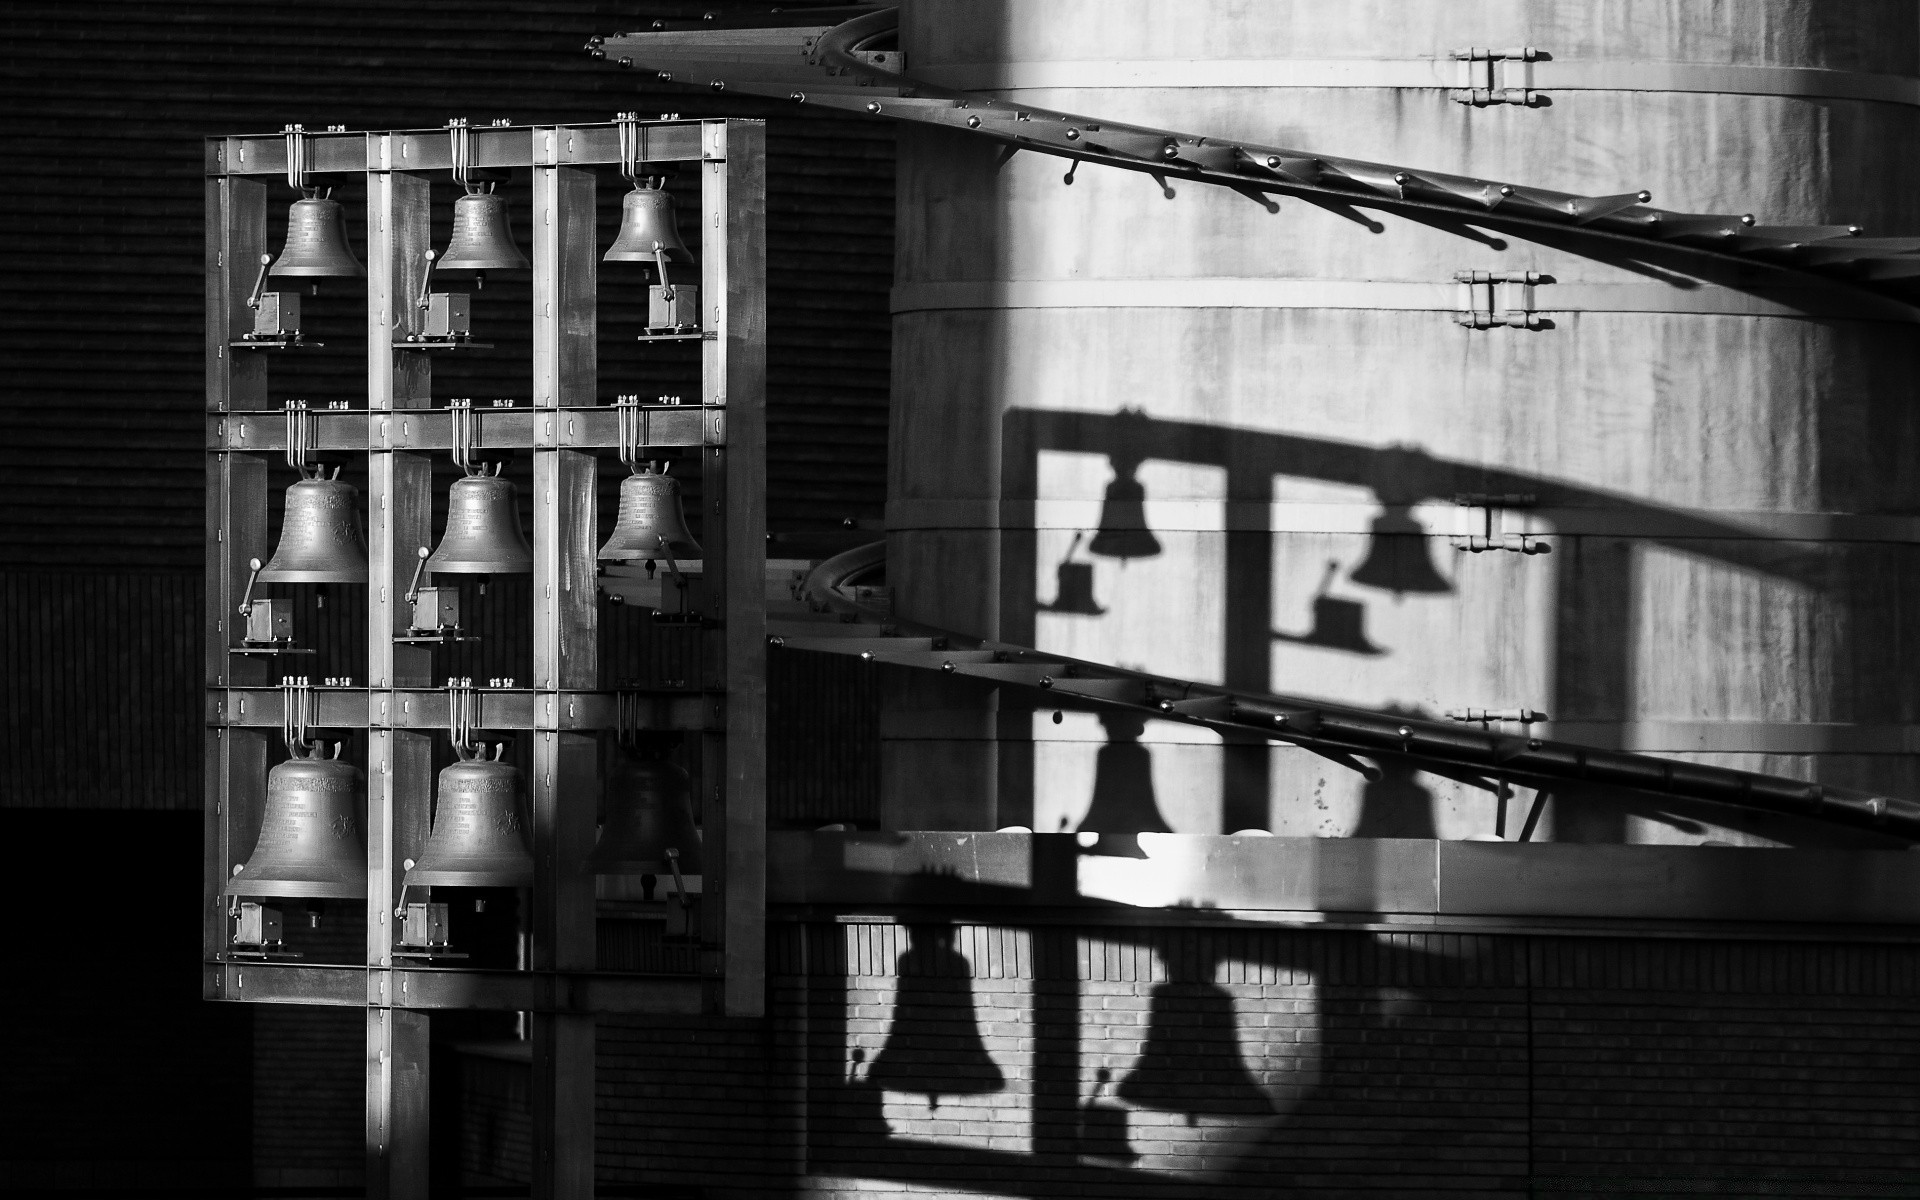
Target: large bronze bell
{"x":317,"y":241}
{"x":483,"y":534}
{"x":478,"y":838}
{"x":320,"y":537}
{"x":649,"y":512}
{"x":482,"y":240}
{"x":649,"y":811}
{"x":311,"y":841}
{"x":647,"y":224}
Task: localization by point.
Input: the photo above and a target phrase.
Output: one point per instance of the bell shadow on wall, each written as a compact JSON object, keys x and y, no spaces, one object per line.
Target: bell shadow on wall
{"x":933,"y":1046}
{"x":1073,"y":586}
{"x":1191,"y":1063}
{"x":1595,"y":583}
{"x":1103,"y":1127}
{"x":1396,"y":805}
{"x":1337,"y":624}
{"x":1399,"y":556}
{"x":1123,"y":531}
{"x":1124,"y":805}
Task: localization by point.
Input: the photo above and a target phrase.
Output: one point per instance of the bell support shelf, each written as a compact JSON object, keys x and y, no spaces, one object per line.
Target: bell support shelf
{"x":325,"y":808}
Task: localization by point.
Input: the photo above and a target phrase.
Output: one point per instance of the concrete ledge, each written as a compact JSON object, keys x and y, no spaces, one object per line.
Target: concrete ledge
{"x":1344,"y":875}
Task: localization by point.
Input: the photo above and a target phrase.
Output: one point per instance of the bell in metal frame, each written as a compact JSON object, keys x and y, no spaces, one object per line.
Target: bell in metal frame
{"x":320,"y":537}
{"x":483,"y":535}
{"x":317,"y":241}
{"x":648,"y":228}
{"x":482,"y":239}
{"x":649,"y":512}
{"x":478,"y":838}
{"x":311,"y":842}
{"x":649,"y":811}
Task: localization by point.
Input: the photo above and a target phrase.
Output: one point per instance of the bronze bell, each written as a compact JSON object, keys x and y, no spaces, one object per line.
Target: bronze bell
{"x":483,"y":530}
{"x":311,"y":842}
{"x":320,"y":537}
{"x":482,"y":240}
{"x":649,"y":511}
{"x":647,"y":223}
{"x":649,"y":811}
{"x":317,"y":241}
{"x":478,"y":838}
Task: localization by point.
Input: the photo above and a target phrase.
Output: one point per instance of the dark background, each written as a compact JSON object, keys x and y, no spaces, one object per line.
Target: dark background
{"x":117,"y":1076}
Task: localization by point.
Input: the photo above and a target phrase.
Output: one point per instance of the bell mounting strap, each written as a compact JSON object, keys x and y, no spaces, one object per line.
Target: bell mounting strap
{"x":463,"y":714}
{"x":632,"y":152}
{"x":461,"y":136}
{"x":296,"y":156}
{"x":626,"y":716}
{"x":464,"y":423}
{"x":300,"y":438}
{"x":298,"y":712}
{"x":627,"y":419}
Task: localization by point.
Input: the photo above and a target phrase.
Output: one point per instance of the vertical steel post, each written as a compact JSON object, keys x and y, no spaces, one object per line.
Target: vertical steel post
{"x":733,"y":293}
{"x":397,"y":1109}
{"x":236,"y":760}
{"x":566,"y":659}
{"x":399,"y":763}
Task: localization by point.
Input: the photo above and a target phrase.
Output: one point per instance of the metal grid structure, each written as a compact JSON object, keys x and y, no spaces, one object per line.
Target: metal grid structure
{"x":252,"y":697}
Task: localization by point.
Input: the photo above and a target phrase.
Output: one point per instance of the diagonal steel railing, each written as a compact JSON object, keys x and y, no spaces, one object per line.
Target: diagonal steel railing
{"x":846,"y":59}
{"x":1343,"y":734}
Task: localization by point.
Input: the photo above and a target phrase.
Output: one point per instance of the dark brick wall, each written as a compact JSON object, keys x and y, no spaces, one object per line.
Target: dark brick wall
{"x":115,"y":1075}
{"x":973,"y":1060}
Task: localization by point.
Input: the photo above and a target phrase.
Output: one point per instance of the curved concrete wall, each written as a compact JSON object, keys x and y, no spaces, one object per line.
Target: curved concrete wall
{"x":1296,"y":428}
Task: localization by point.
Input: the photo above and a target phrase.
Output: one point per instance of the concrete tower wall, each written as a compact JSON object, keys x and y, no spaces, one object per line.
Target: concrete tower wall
{"x":1290,"y":400}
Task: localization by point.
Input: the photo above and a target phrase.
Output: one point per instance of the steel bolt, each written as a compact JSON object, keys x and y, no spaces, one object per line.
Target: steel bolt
{"x":973,"y":122}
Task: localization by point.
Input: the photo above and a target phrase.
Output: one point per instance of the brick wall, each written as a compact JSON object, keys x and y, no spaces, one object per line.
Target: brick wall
{"x":977,"y":1060}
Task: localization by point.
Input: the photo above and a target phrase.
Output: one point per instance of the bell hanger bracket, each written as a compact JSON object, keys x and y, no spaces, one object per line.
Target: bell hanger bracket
{"x":266,"y":625}
{"x":446,"y":321}
{"x":474,"y":179}
{"x":464,"y":437}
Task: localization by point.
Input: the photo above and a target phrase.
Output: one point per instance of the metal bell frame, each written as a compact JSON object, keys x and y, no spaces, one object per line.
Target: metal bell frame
{"x":567,"y":702}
